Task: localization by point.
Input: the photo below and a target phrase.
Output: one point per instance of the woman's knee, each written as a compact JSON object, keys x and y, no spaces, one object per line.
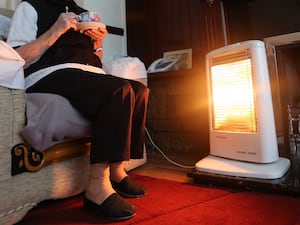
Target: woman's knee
{"x":140,"y":89}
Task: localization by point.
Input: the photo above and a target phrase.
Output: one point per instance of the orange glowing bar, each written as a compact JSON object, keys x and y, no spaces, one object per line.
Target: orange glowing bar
{"x":233,"y":101}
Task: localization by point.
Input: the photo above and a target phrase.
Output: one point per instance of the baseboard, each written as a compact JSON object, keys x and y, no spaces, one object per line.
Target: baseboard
{"x":134,"y":163}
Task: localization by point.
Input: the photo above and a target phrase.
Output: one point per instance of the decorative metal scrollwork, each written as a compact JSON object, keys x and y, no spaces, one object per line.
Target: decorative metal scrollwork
{"x":25,"y":159}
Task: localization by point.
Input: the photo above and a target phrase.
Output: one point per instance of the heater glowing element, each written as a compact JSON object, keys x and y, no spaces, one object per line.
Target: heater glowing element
{"x":233,"y":103}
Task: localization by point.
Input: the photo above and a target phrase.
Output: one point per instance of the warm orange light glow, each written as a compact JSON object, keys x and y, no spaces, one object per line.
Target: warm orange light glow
{"x":233,"y":104}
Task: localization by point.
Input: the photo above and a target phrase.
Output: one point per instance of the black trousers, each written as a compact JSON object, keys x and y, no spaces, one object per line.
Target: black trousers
{"x":116,"y":108}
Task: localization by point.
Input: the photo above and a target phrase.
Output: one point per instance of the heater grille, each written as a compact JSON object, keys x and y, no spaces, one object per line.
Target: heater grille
{"x":231,"y":57}
{"x":232,"y":94}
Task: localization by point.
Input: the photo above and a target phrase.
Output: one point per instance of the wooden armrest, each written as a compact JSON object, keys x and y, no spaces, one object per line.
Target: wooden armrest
{"x":27,"y":159}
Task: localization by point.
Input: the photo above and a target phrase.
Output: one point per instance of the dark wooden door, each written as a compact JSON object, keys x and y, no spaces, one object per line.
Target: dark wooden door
{"x":156,"y":26}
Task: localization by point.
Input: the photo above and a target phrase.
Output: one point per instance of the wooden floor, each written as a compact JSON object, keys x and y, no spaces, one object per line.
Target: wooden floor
{"x":159,"y":167}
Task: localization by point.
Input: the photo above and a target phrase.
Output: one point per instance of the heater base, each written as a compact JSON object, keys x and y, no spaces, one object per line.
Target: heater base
{"x":286,"y":184}
{"x":229,"y":167}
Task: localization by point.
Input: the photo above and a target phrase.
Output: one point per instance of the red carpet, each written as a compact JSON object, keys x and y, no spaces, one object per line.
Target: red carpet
{"x":169,"y":202}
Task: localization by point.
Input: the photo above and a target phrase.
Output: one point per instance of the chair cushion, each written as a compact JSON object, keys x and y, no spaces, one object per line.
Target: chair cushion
{"x":51,"y":119}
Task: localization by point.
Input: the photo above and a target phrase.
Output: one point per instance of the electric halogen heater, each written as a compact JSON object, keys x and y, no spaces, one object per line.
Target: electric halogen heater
{"x":242,"y":132}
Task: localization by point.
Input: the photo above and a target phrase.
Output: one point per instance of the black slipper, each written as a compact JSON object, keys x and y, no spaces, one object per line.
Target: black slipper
{"x":113,"y":208}
{"x":129,"y":188}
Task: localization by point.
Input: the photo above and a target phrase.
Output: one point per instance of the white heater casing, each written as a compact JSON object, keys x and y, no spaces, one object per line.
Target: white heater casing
{"x":261,"y":146}
{"x":252,"y":153}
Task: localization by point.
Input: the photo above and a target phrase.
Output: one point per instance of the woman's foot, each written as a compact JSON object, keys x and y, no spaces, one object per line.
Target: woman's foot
{"x":102,"y":199}
{"x":99,"y":187}
{"x":129,"y":188}
{"x":123,"y":184}
{"x":113,"y":208}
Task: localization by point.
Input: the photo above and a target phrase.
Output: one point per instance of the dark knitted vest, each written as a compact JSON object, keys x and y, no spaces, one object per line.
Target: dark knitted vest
{"x":71,"y":47}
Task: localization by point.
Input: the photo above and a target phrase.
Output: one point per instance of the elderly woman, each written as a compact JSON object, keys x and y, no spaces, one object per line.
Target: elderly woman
{"x":63,"y":61}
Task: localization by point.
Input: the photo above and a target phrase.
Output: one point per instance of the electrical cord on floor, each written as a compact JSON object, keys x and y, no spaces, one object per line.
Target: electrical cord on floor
{"x":164,"y":155}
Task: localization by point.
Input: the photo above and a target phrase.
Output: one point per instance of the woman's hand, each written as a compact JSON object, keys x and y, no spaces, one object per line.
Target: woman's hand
{"x":32,"y":51}
{"x":65,"y":22}
{"x":97,"y":37}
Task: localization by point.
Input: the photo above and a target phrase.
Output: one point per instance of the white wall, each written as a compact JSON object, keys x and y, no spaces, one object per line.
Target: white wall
{"x":113,"y":13}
